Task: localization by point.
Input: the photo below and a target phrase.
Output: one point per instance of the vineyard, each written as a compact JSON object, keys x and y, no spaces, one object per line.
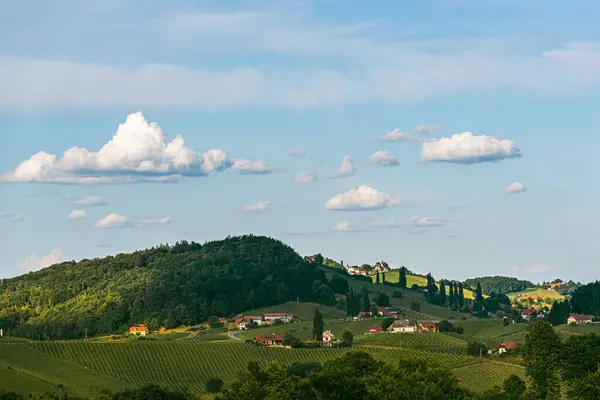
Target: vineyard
{"x":433,"y":342}
{"x":486,"y":374}
{"x":85,"y":368}
{"x":303,"y":330}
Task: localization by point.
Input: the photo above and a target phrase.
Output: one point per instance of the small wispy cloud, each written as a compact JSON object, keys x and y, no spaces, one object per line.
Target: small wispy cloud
{"x":258,"y":207}
{"x":425,"y":129}
{"x":425,"y":222}
{"x":515,"y":187}
{"x":297,"y":152}
{"x":89,"y":201}
{"x":305,"y":177}
{"x":11,"y":216}
{"x":77,"y":214}
{"x":346,"y":169}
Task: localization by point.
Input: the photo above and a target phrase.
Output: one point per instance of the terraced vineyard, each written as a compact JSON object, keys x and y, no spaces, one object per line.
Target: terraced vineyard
{"x":179,"y":364}
{"x":433,"y":342}
{"x":484,"y":375}
{"x":491,"y":332}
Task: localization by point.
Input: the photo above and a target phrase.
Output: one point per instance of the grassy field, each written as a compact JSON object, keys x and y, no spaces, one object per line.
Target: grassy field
{"x":303,"y":330}
{"x":304,"y":311}
{"x":394,"y":276}
{"x":537,"y":292}
{"x":482,"y":376}
{"x":578,"y":329}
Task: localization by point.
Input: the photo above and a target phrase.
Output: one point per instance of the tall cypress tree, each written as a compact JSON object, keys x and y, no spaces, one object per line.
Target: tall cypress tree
{"x":318,"y":326}
{"x":383,"y":277}
{"x":442,"y":292}
{"x":461,"y":295}
{"x":451,"y":298}
{"x":366,"y":303}
{"x":377,"y":277}
{"x":431,"y":286}
{"x":478,"y":294}
{"x":402,"y":278}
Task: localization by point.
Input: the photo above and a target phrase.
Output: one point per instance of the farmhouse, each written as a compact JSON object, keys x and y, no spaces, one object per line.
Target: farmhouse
{"x":506,"y":346}
{"x":427,"y":326}
{"x":245,"y":322}
{"x":283,"y":317}
{"x":389,"y":311}
{"x":402,"y":325}
{"x":138,"y":330}
{"x":580,"y":319}
{"x":364,"y":314}
{"x":375,"y":329}
{"x":328,"y":338}
{"x":527,"y":314}
{"x":272,"y":339}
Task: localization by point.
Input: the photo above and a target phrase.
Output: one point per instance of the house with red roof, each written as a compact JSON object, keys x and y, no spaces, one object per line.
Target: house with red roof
{"x":139,"y":330}
{"x":506,"y":346}
{"x":375,"y":329}
{"x":269,"y":339}
{"x":428,"y":326}
{"x":580,"y":319}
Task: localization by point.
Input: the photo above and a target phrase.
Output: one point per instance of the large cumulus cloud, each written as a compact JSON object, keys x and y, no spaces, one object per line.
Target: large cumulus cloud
{"x":139,"y":151}
{"x":466,"y":148}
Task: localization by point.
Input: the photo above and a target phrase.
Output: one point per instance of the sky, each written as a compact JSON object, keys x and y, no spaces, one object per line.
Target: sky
{"x":456,"y":137}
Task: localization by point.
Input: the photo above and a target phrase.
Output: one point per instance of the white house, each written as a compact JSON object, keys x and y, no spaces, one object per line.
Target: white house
{"x":283,"y":317}
{"x":580,"y":319}
{"x":402,"y":325}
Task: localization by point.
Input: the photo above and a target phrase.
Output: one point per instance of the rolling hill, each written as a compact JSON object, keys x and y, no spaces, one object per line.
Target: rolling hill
{"x":175,"y":285}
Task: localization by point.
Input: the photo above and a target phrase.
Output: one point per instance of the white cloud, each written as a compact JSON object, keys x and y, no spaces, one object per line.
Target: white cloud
{"x":386,"y":224}
{"x":424,"y":222}
{"x":466,"y":148}
{"x":388,"y":71}
{"x":539,"y":269}
{"x":77,"y":214}
{"x":151,"y":221}
{"x":397,"y":135}
{"x":346,"y":169}
{"x":89,"y":201}
{"x":297,"y":152}
{"x":137,"y":152}
{"x":11,"y":216}
{"x":452,"y":234}
{"x":515,"y":187}
{"x":305,"y":177}
{"x":258,"y":207}
{"x":345,"y":226}
{"x":113,"y":220}
{"x":361,"y":198}
{"x":244,"y":166}
{"x":425,"y":129}
{"x":383,"y":158}
{"x":33,"y":262}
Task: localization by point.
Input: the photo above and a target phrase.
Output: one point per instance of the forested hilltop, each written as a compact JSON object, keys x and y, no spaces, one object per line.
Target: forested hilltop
{"x":498,"y":284}
{"x":165,"y":285}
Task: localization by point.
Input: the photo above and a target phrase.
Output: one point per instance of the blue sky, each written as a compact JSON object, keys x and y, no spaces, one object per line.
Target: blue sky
{"x":269,"y":99}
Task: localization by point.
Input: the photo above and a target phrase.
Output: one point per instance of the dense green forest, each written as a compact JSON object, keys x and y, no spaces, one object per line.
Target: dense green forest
{"x":165,"y":285}
{"x":586,"y":299}
{"x":498,"y":284}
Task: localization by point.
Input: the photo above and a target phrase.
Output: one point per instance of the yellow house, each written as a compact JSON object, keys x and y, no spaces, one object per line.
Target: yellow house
{"x":138,"y":330}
